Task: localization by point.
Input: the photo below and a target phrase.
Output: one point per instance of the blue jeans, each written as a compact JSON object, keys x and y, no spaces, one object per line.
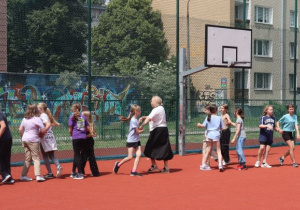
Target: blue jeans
{"x":239,"y":150}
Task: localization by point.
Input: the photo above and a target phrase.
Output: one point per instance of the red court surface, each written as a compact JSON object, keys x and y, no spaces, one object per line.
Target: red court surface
{"x":186,"y":187}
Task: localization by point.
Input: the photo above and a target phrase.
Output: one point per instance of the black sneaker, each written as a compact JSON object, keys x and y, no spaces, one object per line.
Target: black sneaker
{"x":116,"y":167}
{"x":49,"y":176}
{"x":10,"y":181}
{"x":135,"y":174}
{"x":295,"y":165}
{"x":281,"y":161}
{"x":6,"y":178}
{"x":242,"y":167}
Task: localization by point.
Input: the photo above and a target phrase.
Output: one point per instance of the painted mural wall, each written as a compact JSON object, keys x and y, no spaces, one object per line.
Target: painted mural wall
{"x":109,"y":94}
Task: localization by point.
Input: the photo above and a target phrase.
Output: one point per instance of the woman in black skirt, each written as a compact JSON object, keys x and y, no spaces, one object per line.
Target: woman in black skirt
{"x":158,"y":145}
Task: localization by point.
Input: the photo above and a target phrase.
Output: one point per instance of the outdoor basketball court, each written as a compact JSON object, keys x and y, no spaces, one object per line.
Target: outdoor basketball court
{"x":186,"y":187}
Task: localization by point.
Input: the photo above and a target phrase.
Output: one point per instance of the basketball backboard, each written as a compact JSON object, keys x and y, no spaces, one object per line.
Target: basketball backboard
{"x":228,"y":47}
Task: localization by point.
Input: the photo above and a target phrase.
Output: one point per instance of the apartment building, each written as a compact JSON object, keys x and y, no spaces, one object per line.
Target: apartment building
{"x":272,"y":23}
{"x":218,"y":12}
{"x":272,"y":73}
{"x":3,"y":36}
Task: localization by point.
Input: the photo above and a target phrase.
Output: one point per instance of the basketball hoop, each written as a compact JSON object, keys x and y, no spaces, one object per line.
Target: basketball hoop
{"x":230,"y":63}
{"x":233,"y":63}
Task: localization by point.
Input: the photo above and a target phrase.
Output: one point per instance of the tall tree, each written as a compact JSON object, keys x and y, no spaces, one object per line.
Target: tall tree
{"x":129,"y":34}
{"x":46,"y":36}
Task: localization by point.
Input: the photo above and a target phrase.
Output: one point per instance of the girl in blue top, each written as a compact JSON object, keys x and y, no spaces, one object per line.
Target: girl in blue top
{"x":213,"y":125}
{"x":133,"y":140}
{"x":289,"y":125}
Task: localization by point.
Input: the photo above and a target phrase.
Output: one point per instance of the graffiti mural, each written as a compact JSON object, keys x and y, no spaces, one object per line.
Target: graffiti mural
{"x":108,"y":95}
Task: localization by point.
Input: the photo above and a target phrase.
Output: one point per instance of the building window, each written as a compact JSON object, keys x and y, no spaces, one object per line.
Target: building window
{"x":262,"y":81}
{"x":291,"y":82}
{"x":262,"y":48}
{"x":292,"y":19}
{"x":263,"y":15}
{"x":238,"y":79}
{"x":292,"y":50}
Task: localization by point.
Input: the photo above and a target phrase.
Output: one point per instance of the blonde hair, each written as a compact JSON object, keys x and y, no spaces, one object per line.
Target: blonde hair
{"x":158,"y":100}
{"x":266,"y":110}
{"x":89,"y":118}
{"x":133,"y":108}
{"x":77,"y":108}
{"x":32,"y":111}
{"x":47,"y":111}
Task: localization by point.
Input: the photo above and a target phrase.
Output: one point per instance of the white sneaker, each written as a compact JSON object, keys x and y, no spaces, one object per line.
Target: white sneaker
{"x":257,"y":164}
{"x":59,"y":171}
{"x":223,"y":163}
{"x":78,"y":176}
{"x":25,"y":178}
{"x":205,"y":168}
{"x":40,"y":179}
{"x":266,"y":165}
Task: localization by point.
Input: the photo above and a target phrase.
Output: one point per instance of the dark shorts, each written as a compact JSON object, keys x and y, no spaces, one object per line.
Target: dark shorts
{"x":265,"y":140}
{"x":133,"y":144}
{"x":266,"y":143}
{"x":287,"y":136}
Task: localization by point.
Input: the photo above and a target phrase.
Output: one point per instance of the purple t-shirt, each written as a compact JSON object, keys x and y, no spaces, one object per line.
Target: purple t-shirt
{"x":78,"y":126}
{"x":31,"y":128}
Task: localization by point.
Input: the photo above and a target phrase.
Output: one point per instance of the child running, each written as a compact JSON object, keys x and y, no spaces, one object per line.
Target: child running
{"x":78,"y":127}
{"x":133,"y":140}
{"x":267,"y":126}
{"x":30,"y":129}
{"x":213,"y":125}
{"x":225,"y":134}
{"x":289,"y":125}
{"x":88,"y":151}
{"x":240,"y":136}
{"x":48,"y":142}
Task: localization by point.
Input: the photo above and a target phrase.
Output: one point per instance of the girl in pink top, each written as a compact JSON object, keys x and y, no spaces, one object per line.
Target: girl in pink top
{"x":30,"y":129}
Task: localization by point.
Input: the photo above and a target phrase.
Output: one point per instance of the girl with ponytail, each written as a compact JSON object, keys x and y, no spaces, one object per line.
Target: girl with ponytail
{"x":133,"y":140}
{"x":48,"y":142}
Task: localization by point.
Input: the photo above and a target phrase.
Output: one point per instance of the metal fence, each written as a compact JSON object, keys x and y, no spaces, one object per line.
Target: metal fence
{"x":111,"y":54}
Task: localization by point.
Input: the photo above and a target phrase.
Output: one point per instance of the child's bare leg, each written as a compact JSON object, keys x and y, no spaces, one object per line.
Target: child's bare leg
{"x":219,"y":153}
{"x":267,"y":149}
{"x":137,"y":159}
{"x":261,"y":151}
{"x":129,"y":157}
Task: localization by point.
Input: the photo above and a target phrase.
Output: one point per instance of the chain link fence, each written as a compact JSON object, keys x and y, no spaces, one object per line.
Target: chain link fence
{"x":133,"y":57}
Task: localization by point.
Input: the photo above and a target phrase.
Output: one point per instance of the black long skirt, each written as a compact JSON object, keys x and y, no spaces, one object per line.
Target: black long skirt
{"x":158,"y":146}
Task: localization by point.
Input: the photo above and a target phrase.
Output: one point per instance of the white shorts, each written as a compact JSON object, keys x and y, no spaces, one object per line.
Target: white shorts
{"x":214,"y":140}
{"x":213,"y":136}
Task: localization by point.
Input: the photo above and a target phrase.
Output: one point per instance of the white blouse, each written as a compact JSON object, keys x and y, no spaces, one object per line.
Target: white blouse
{"x":158,"y":118}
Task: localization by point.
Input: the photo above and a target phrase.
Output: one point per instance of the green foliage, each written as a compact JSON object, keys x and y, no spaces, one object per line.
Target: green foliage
{"x":46,"y":36}
{"x":129,"y":34}
{"x":279,"y":109}
{"x":158,"y":79}
{"x":67,"y":80}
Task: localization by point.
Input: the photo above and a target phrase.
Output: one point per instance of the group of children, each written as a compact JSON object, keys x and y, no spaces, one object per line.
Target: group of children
{"x":217,"y":131}
{"x":37,"y":135}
